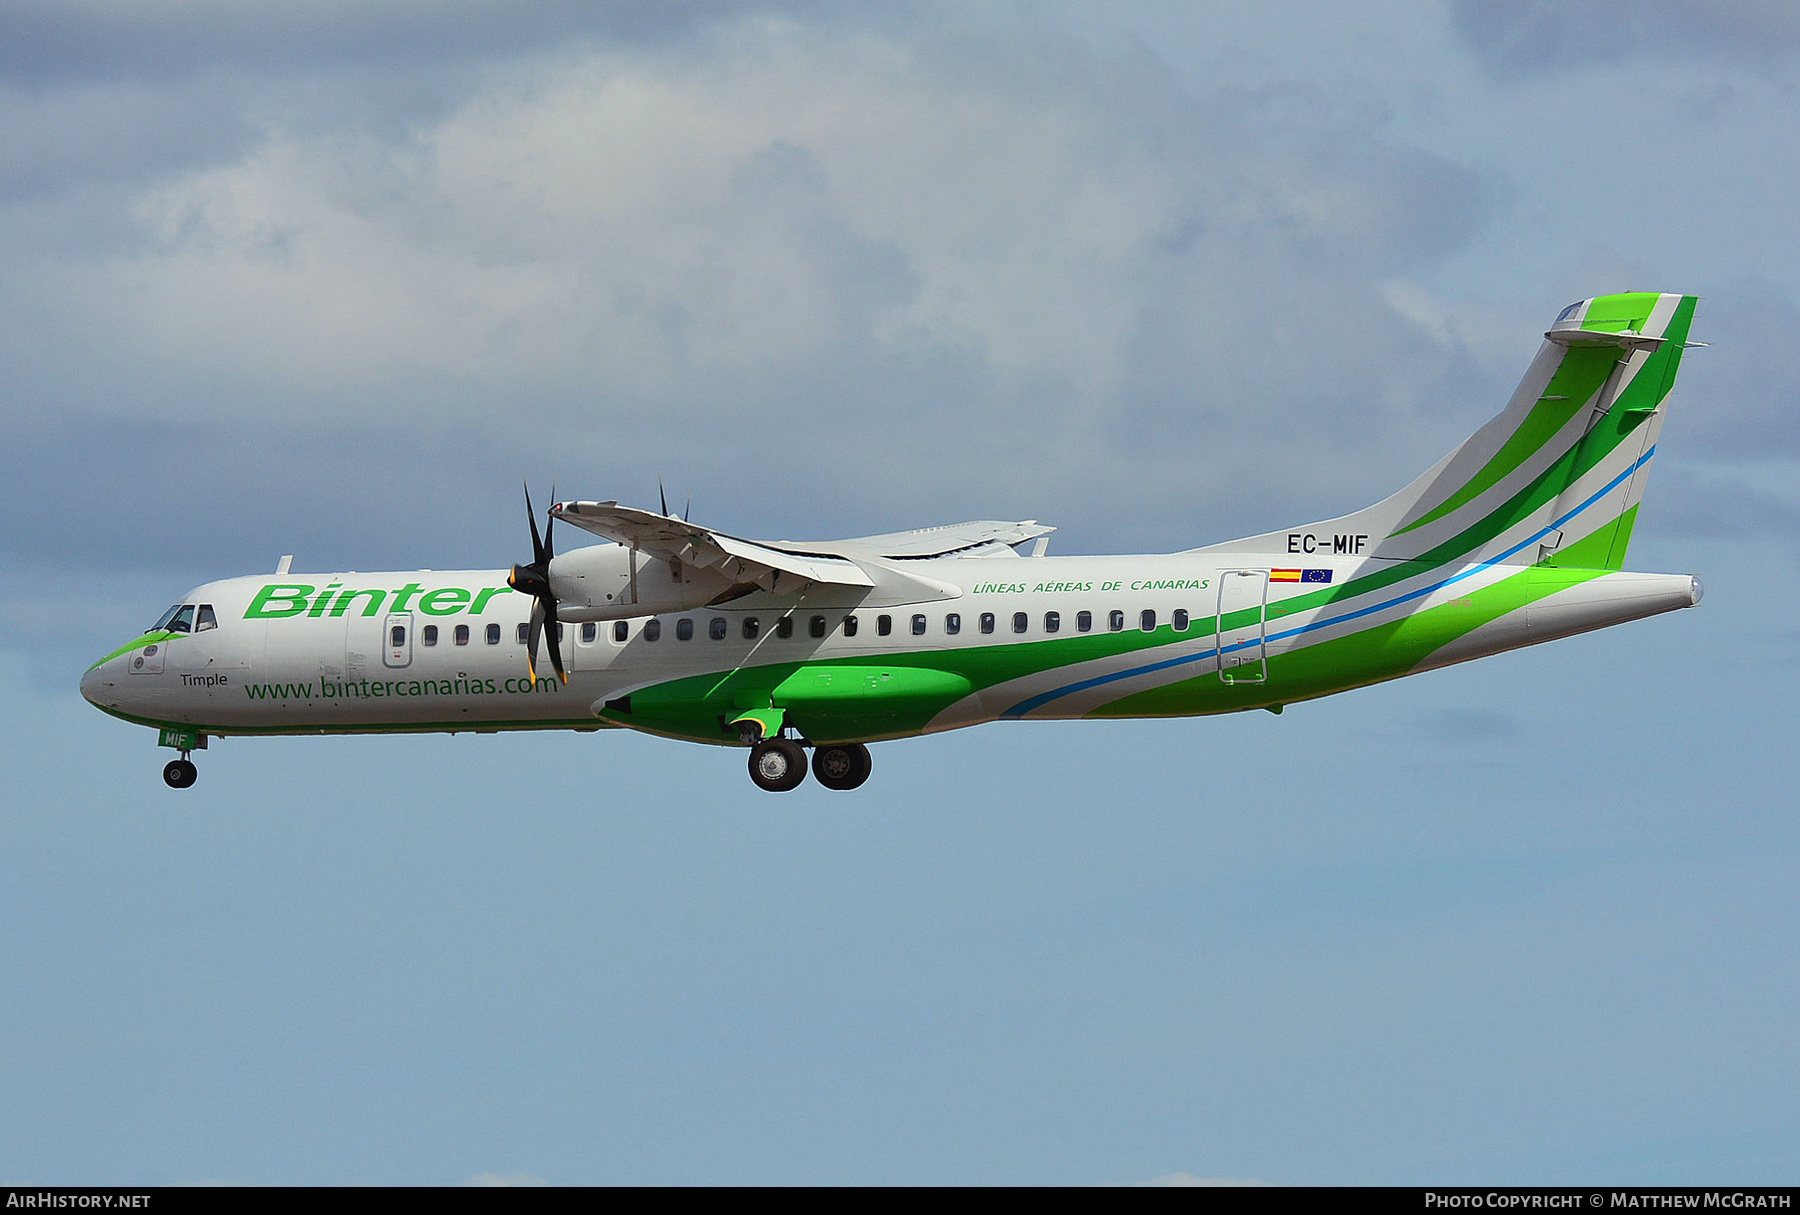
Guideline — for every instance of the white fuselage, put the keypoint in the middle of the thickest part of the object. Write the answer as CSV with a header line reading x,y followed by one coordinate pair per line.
x,y
444,650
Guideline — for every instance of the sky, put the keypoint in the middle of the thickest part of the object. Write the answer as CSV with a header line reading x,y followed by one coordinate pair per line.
x,y
330,278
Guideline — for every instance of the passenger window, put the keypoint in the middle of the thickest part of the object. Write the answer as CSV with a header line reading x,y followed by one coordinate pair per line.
x,y
1052,622
1181,620
849,626
1147,621
462,634
428,634
717,628
918,626
652,629
953,624
397,636
1021,622
684,629
1084,622
525,634
784,627
493,634
987,622
816,626
884,625
559,631
1115,620
184,620
752,626
590,630
206,619
621,630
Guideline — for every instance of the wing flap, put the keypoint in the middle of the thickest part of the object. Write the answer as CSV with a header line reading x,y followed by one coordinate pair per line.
x,y
676,539
947,541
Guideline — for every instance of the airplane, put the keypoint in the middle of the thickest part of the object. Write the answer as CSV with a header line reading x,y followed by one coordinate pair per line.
x,y
1518,536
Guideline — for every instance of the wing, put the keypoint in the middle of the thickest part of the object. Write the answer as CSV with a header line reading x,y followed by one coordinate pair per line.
x,y
955,540
741,560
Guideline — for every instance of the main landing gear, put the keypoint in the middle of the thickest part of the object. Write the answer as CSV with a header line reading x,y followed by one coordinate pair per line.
x,y
778,764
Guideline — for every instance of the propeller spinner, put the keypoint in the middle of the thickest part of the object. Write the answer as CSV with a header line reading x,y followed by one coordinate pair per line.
x,y
534,580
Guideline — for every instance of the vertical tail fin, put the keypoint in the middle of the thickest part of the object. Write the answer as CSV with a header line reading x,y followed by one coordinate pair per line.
x,y
1558,475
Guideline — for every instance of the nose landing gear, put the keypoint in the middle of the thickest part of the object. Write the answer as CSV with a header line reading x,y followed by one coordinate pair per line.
x,y
181,773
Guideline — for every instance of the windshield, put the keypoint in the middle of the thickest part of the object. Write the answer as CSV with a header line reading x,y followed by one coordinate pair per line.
x,y
162,621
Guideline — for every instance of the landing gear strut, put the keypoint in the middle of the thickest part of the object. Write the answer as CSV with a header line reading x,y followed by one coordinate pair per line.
x,y
180,773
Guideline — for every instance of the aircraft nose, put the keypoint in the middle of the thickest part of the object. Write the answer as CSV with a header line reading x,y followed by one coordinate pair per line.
x,y
97,686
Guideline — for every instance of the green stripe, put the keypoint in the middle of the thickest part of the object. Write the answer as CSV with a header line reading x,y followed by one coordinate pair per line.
x,y
1578,377
1374,655
388,727
146,639
1627,310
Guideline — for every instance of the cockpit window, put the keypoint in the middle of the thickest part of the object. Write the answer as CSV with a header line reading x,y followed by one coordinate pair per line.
x,y
206,619
184,620
162,621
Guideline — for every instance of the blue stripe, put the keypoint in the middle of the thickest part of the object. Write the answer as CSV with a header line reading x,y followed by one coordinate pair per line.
x,y
1044,698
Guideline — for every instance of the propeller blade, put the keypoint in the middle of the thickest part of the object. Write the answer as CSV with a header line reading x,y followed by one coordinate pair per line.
x,y
531,644
661,494
550,543
534,580
537,541
553,635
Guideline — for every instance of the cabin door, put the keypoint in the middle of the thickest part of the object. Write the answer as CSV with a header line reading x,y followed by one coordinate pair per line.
x,y
1243,614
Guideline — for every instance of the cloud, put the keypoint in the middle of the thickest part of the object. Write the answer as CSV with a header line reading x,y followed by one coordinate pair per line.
x,y
46,42
1522,39
1740,398
1188,1179
914,271
495,1180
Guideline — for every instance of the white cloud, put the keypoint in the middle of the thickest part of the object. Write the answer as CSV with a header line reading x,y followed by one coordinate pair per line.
x,y
497,1180
1188,1179
1052,275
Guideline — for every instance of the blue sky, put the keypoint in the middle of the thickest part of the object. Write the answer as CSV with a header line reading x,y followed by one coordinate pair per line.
x,y
329,278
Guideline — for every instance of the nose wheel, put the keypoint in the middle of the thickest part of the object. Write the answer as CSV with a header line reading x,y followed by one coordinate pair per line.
x,y
180,773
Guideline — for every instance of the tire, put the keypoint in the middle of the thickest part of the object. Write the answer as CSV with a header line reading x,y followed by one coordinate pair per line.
x,y
777,765
841,766
180,774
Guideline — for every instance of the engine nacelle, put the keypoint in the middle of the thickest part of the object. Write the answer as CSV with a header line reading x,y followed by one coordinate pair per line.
x,y
612,582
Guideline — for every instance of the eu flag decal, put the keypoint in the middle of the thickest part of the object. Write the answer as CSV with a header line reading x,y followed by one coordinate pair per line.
x,y
1315,575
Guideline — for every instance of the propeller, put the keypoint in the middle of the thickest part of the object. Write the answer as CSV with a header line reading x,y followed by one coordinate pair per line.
x,y
534,580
